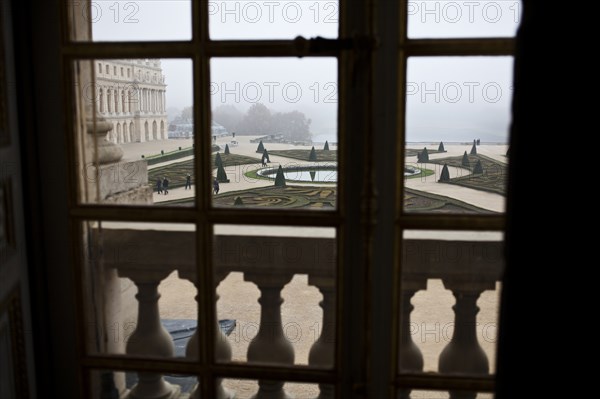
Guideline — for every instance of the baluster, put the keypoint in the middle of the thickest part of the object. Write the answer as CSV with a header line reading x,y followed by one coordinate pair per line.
x,y
322,352
222,350
150,339
270,346
463,354
410,356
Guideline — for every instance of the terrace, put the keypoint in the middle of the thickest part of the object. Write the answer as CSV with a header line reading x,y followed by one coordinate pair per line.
x,y
279,285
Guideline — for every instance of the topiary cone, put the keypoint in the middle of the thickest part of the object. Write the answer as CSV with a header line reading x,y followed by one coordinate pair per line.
x,y
465,161
445,175
260,147
218,161
226,152
313,155
221,175
441,147
280,178
423,156
474,148
478,169
326,147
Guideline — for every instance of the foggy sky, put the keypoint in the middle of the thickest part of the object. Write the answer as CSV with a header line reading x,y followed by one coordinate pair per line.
x,y
452,99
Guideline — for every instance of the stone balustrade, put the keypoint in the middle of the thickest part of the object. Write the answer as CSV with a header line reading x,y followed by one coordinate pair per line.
x,y
466,268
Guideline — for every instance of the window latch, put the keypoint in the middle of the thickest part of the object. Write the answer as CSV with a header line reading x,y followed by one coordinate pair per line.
x,y
321,45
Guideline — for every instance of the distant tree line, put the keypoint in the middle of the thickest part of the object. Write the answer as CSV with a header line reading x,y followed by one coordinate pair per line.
x,y
260,120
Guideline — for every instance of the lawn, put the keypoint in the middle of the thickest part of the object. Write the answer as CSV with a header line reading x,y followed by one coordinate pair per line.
x,y
493,179
324,198
176,172
303,155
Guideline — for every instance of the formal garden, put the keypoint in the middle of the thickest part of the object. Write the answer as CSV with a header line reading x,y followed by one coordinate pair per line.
x,y
485,173
307,178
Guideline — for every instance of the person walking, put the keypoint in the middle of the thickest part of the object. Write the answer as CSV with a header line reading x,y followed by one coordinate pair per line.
x,y
215,186
165,185
188,182
158,186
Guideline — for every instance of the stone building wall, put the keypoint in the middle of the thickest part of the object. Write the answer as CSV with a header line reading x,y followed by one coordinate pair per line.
x,y
131,95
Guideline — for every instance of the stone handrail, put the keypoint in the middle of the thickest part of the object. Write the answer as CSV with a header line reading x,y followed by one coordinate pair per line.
x,y
467,268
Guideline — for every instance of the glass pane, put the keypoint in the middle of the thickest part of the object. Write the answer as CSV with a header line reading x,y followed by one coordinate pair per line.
x,y
449,302
246,389
139,288
457,122
275,132
131,384
138,149
246,20
277,288
446,19
419,394
125,20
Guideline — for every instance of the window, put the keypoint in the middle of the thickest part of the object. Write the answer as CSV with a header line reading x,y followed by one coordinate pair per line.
x,y
451,87
99,68
270,235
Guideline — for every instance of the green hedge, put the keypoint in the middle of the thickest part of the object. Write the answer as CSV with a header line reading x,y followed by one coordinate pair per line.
x,y
169,156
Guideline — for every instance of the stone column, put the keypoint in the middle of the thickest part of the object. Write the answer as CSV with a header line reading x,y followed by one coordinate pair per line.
x,y
410,357
108,100
270,346
222,346
108,152
138,97
101,106
463,354
150,339
322,352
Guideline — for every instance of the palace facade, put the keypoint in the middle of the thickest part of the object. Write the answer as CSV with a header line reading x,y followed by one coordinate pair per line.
x,y
131,95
